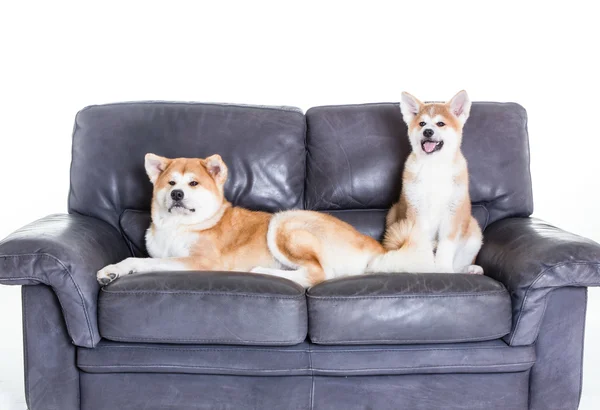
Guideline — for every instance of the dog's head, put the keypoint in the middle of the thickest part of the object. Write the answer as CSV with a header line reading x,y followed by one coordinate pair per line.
x,y
190,189
435,129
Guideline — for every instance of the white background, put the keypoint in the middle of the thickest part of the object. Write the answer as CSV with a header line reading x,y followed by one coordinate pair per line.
x,y
56,58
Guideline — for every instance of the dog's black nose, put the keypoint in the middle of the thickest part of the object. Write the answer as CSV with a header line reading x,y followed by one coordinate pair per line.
x,y
177,194
428,133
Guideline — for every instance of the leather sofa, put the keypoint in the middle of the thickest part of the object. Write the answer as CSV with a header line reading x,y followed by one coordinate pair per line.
x,y
510,339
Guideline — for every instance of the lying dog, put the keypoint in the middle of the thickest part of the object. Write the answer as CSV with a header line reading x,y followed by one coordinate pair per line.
x,y
434,211
194,227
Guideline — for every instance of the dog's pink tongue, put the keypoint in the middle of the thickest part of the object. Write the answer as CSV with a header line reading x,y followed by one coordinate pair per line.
x,y
429,146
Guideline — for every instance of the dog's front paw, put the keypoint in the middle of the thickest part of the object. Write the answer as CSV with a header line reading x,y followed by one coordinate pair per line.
x,y
474,270
106,275
110,273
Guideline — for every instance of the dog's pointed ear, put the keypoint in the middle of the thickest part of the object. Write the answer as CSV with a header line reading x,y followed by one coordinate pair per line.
x,y
155,165
216,168
460,105
410,107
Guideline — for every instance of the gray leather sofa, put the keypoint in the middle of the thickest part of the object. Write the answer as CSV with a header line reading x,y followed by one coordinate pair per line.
x,y
512,339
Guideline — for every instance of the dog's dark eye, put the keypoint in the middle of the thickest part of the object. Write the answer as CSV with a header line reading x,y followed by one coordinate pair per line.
x,y
171,183
193,183
422,124
440,124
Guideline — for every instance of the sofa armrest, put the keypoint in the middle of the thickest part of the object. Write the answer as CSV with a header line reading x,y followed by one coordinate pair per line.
x,y
532,258
64,252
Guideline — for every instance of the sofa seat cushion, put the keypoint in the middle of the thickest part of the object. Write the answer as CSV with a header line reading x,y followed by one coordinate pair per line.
x,y
493,356
203,307
408,309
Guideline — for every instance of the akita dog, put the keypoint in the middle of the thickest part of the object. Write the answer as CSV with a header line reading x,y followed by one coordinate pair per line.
x,y
194,227
434,211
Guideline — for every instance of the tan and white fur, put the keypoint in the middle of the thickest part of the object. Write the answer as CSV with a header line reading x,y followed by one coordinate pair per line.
x,y
194,227
434,210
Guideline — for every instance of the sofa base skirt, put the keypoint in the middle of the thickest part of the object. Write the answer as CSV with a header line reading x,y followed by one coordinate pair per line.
x,y
423,392
109,391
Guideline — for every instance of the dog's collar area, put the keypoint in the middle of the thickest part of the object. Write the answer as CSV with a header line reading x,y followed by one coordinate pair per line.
x,y
429,146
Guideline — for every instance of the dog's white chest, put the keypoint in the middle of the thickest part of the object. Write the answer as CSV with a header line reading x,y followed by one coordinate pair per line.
x,y
432,194
170,242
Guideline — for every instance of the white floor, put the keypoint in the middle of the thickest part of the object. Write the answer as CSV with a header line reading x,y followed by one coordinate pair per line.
x,y
11,352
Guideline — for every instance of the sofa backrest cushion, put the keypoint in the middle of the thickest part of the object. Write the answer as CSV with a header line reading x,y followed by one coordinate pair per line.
x,y
263,147
356,154
346,159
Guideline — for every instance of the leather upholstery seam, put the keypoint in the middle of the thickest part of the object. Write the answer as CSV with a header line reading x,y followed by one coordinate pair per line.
x,y
178,366
525,120
306,153
307,368
312,378
450,295
281,109
432,367
25,348
582,345
183,349
457,366
322,350
251,342
400,340
409,350
209,293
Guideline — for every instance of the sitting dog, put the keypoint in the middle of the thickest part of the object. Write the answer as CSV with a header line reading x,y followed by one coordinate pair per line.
x,y
194,227
434,211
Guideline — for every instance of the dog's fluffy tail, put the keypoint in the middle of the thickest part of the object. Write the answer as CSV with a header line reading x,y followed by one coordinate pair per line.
x,y
397,234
